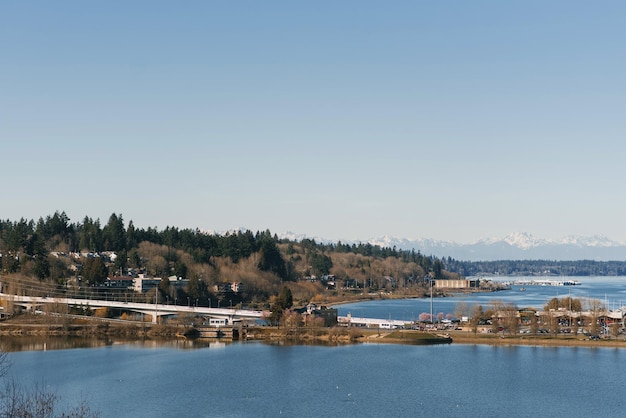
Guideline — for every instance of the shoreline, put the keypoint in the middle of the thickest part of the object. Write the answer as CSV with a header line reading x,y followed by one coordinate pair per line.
x,y
36,327
326,336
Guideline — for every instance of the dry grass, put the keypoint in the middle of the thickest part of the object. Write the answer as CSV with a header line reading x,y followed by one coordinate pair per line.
x,y
463,337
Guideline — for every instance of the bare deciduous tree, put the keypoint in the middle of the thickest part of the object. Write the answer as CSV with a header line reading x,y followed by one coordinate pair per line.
x,y
595,308
19,401
506,316
476,316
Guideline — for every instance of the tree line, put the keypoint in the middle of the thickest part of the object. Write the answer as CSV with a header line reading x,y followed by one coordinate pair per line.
x,y
537,267
260,260
56,232
28,240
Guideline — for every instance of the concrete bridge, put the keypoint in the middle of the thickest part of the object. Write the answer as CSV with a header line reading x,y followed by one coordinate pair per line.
x,y
155,310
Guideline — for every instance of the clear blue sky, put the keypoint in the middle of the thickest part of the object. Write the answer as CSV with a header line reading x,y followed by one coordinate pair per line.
x,y
343,120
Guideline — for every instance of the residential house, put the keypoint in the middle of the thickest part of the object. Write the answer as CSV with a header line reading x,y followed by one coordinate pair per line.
x,y
143,284
120,282
313,311
234,287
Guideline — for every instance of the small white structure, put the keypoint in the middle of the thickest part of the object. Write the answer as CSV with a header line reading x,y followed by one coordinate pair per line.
x,y
218,322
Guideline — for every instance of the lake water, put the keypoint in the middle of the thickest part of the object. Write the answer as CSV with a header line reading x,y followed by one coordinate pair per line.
x,y
258,380
184,379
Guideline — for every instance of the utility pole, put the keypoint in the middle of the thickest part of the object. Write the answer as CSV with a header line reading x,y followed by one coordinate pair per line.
x,y
432,320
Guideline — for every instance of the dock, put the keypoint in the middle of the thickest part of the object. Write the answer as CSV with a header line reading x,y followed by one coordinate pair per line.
x,y
227,333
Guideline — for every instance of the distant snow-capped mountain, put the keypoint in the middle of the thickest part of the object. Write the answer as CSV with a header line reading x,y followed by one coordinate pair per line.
x,y
523,240
515,246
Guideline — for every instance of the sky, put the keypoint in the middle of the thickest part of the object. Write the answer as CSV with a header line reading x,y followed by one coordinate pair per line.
x,y
344,120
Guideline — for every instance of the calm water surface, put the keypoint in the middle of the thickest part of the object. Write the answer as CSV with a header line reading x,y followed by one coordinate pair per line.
x,y
254,379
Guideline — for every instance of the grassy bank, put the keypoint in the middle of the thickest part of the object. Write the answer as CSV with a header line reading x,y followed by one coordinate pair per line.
x,y
464,337
407,337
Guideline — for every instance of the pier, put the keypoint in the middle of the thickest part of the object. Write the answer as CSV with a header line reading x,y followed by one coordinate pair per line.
x,y
546,282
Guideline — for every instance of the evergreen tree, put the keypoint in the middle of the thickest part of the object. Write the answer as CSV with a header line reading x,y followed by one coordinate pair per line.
x,y
285,298
94,271
321,264
164,287
90,235
180,269
114,234
271,259
131,236
194,288
283,301
121,261
133,258
41,267
438,269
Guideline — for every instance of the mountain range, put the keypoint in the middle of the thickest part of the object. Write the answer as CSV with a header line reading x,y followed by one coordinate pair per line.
x,y
516,246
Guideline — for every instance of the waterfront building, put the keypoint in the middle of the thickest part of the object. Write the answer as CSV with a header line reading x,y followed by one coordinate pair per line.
x,y
456,284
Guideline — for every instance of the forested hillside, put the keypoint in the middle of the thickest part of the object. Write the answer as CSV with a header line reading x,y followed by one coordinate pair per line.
x,y
60,253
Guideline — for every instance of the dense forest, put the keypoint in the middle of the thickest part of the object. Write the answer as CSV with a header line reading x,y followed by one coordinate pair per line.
x,y
61,253
537,268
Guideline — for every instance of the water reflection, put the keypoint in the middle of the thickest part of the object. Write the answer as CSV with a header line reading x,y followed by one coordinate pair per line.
x,y
40,343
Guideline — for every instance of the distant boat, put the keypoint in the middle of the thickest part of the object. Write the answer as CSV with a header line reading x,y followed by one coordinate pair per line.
x,y
522,289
